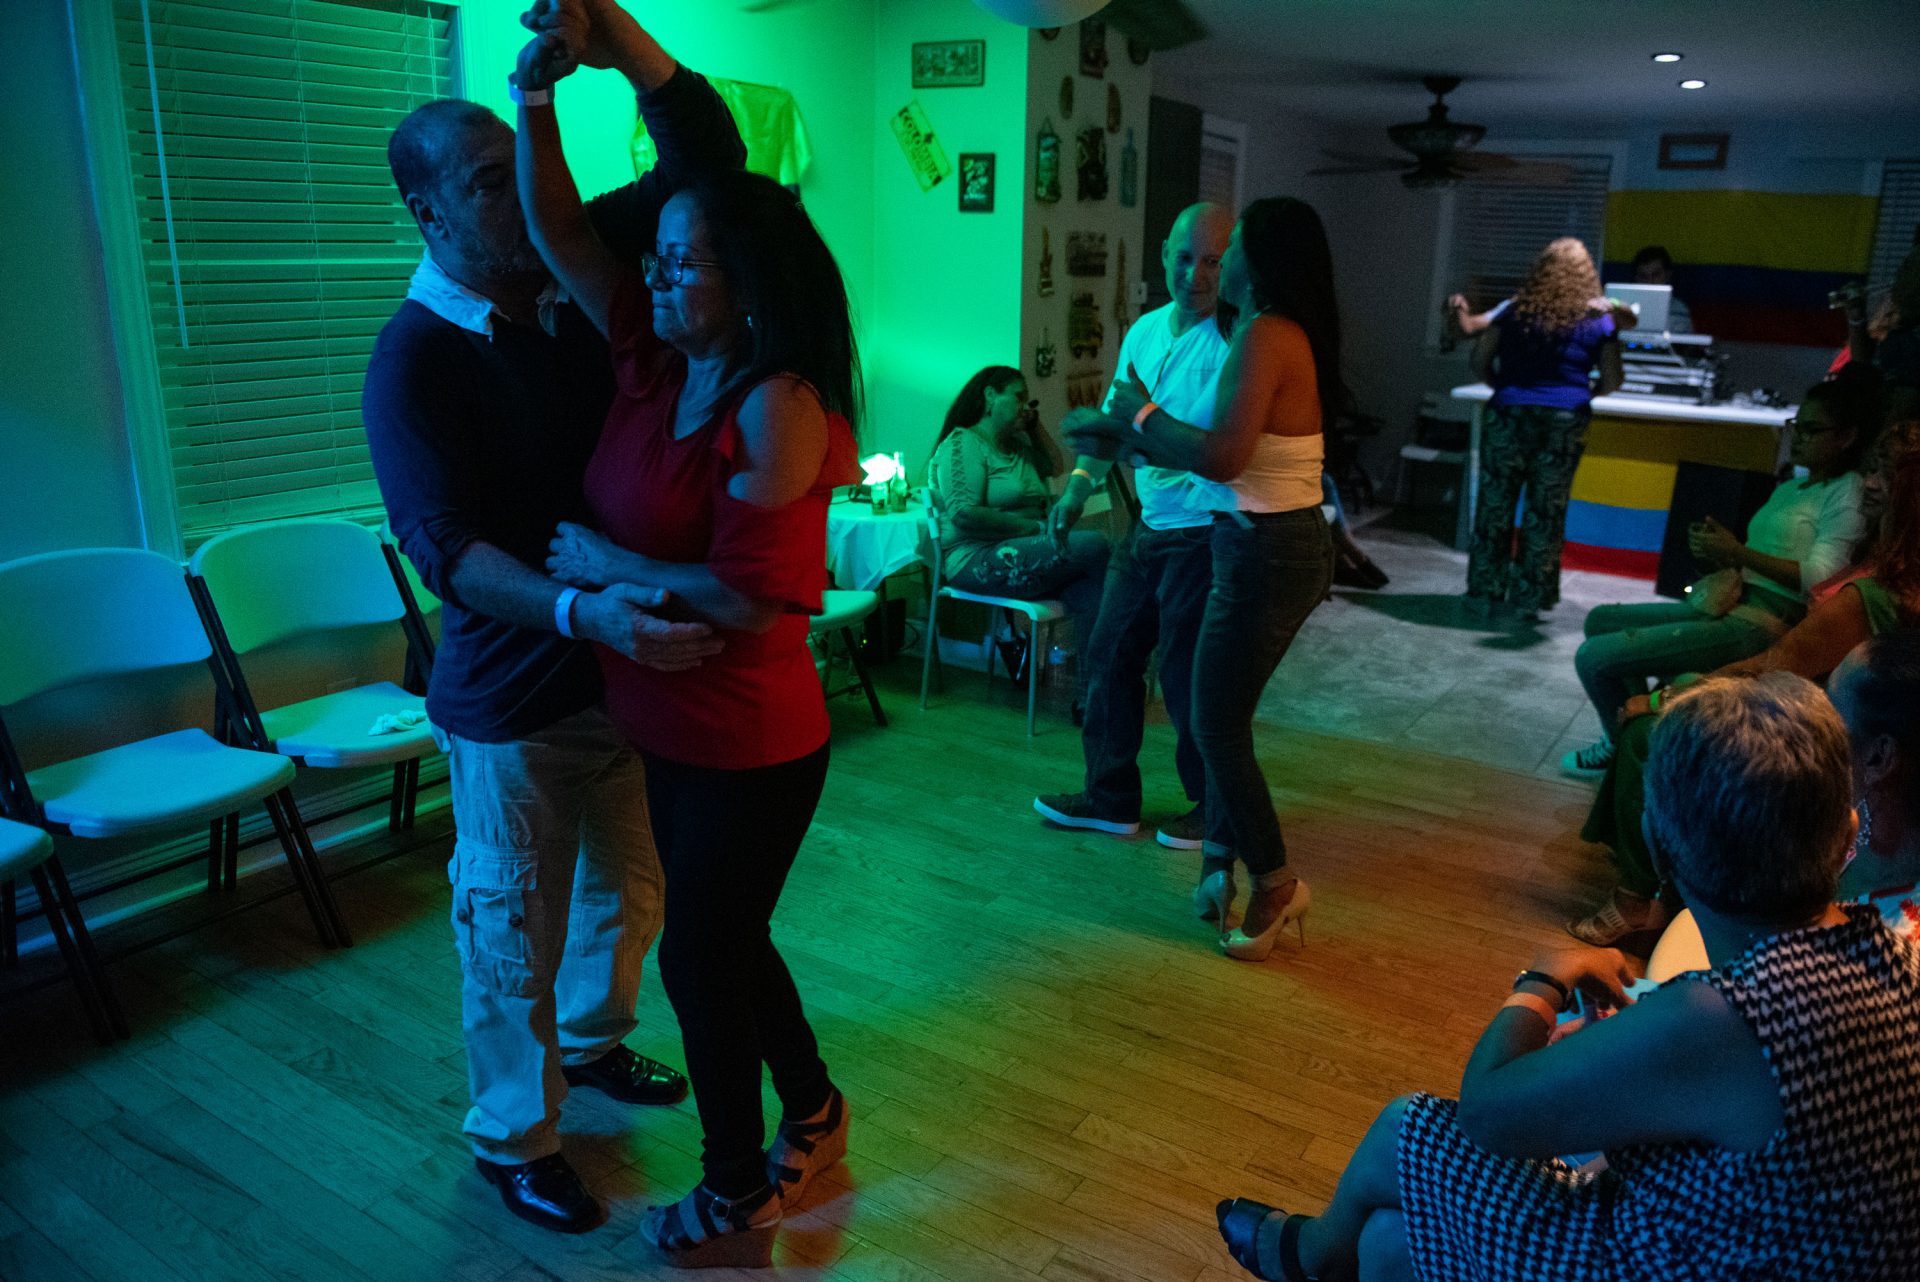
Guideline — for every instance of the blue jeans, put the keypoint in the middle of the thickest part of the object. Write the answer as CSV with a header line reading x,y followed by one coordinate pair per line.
x,y
1268,576
1156,594
1628,645
1032,569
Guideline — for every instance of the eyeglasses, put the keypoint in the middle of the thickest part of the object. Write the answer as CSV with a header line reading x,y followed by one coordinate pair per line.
x,y
1808,426
671,267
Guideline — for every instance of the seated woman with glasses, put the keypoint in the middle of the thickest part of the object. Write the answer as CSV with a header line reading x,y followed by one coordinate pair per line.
x,y
1805,532
988,478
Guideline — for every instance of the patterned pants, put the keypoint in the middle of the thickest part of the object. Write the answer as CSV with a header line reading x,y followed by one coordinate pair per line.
x,y
1536,449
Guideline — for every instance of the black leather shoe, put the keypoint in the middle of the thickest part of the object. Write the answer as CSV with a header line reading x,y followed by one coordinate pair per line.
x,y
547,1192
629,1078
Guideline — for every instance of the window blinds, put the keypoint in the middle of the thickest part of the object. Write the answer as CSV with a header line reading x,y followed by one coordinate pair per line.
x,y
1894,235
274,244
1501,224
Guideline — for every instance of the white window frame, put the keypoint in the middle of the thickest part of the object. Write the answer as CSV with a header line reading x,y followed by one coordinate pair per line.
x,y
104,126
1234,132
1441,285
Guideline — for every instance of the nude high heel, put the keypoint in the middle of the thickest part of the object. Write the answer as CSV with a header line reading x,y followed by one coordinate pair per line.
x,y
1243,947
1213,899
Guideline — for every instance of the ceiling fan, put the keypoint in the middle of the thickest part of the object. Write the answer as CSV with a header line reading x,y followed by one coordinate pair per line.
x,y
1442,150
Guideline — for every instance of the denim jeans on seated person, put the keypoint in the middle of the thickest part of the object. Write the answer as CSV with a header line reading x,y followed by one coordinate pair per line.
x,y
1155,596
1032,569
556,899
1630,645
1268,575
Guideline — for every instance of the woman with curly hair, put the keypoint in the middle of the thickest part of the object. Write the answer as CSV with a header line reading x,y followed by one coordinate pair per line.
x,y
1539,356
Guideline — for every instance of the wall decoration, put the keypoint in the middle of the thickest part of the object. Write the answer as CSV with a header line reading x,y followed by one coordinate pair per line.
x,y
1093,48
1046,263
1138,51
1046,357
1113,108
949,64
1122,288
1066,98
1085,333
1093,163
976,182
925,156
1693,151
1046,165
1086,253
1129,174
1086,387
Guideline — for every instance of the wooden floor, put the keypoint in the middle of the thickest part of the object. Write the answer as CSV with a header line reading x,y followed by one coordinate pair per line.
x,y
1053,1071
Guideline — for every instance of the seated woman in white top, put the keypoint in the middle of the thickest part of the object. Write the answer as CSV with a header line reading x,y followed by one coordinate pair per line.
x,y
1806,532
989,476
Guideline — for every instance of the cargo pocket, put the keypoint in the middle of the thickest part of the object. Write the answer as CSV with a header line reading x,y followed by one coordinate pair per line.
x,y
496,924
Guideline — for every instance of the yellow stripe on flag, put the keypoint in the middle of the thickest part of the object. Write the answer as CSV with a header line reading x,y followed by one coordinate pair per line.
x,y
1790,231
1624,482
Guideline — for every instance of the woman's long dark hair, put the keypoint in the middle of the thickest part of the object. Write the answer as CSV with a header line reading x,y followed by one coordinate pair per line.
x,y
1290,268
787,286
970,406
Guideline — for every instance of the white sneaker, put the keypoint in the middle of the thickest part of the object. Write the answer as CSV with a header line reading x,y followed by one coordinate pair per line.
x,y
1591,761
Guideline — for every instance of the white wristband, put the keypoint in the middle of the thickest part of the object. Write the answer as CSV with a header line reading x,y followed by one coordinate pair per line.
x,y
530,97
563,611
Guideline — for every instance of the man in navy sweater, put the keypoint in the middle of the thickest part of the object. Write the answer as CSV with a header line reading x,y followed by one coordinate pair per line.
x,y
484,397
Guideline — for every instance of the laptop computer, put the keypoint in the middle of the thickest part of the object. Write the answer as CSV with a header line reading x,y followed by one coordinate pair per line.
x,y
1650,303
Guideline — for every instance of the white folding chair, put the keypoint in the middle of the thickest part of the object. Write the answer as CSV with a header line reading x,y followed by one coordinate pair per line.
x,y
840,611
264,585
1041,616
72,618
27,850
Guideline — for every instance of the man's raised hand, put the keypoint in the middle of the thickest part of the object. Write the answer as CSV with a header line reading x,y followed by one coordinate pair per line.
x,y
621,619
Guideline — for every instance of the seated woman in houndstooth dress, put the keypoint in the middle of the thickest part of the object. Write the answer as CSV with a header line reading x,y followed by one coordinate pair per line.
x,y
1759,1118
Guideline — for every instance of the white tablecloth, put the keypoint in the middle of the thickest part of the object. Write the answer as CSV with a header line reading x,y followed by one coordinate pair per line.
x,y
863,549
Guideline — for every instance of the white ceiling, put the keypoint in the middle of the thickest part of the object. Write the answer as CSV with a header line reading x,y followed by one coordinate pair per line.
x,y
1525,61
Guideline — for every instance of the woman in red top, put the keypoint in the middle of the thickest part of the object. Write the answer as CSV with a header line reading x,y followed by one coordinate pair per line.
x,y
734,356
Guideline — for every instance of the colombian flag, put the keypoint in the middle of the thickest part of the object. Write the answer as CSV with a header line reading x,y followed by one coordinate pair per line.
x,y
1754,266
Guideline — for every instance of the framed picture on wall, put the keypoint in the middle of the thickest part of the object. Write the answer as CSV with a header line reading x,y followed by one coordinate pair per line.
x,y
976,182
949,64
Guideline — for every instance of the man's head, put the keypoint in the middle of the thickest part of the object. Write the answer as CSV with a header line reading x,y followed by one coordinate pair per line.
x,y
453,163
1653,266
1192,255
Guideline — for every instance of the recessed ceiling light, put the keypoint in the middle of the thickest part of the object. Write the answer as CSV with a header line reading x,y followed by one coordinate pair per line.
x,y
1668,57
1693,84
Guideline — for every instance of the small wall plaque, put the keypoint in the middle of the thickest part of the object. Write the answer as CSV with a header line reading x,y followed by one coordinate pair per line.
x,y
949,64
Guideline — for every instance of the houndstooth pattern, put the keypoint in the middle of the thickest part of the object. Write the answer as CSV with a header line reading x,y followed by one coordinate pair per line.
x,y
1835,1196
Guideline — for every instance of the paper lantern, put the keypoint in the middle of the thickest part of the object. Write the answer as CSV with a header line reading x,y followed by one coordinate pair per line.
x,y
1043,13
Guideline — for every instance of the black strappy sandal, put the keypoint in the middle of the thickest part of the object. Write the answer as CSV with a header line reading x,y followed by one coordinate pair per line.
x,y
1244,1224
704,1230
801,1150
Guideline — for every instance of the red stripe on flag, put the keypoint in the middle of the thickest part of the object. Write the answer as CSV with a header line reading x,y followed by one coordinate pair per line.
x,y
1621,561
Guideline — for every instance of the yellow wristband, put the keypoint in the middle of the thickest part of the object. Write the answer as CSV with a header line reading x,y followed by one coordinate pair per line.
x,y
1535,1003
1146,412
1081,471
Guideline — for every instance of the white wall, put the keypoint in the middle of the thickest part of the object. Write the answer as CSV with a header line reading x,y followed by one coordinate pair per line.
x,y
946,284
68,475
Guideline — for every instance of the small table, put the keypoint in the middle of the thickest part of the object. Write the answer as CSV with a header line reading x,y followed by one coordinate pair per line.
x,y
864,548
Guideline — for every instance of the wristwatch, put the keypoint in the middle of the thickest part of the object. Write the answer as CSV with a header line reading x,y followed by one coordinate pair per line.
x,y
1546,980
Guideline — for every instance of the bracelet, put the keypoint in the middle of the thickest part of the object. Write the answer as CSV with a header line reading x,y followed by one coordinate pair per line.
x,y
1140,419
1081,471
1533,1002
530,97
1541,977
563,612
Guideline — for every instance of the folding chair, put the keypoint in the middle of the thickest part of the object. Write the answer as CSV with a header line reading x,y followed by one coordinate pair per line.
x,y
264,585
71,618
1041,616
26,849
839,612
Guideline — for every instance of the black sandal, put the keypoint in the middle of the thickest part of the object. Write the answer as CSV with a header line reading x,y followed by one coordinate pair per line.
x,y
802,1150
1244,1225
